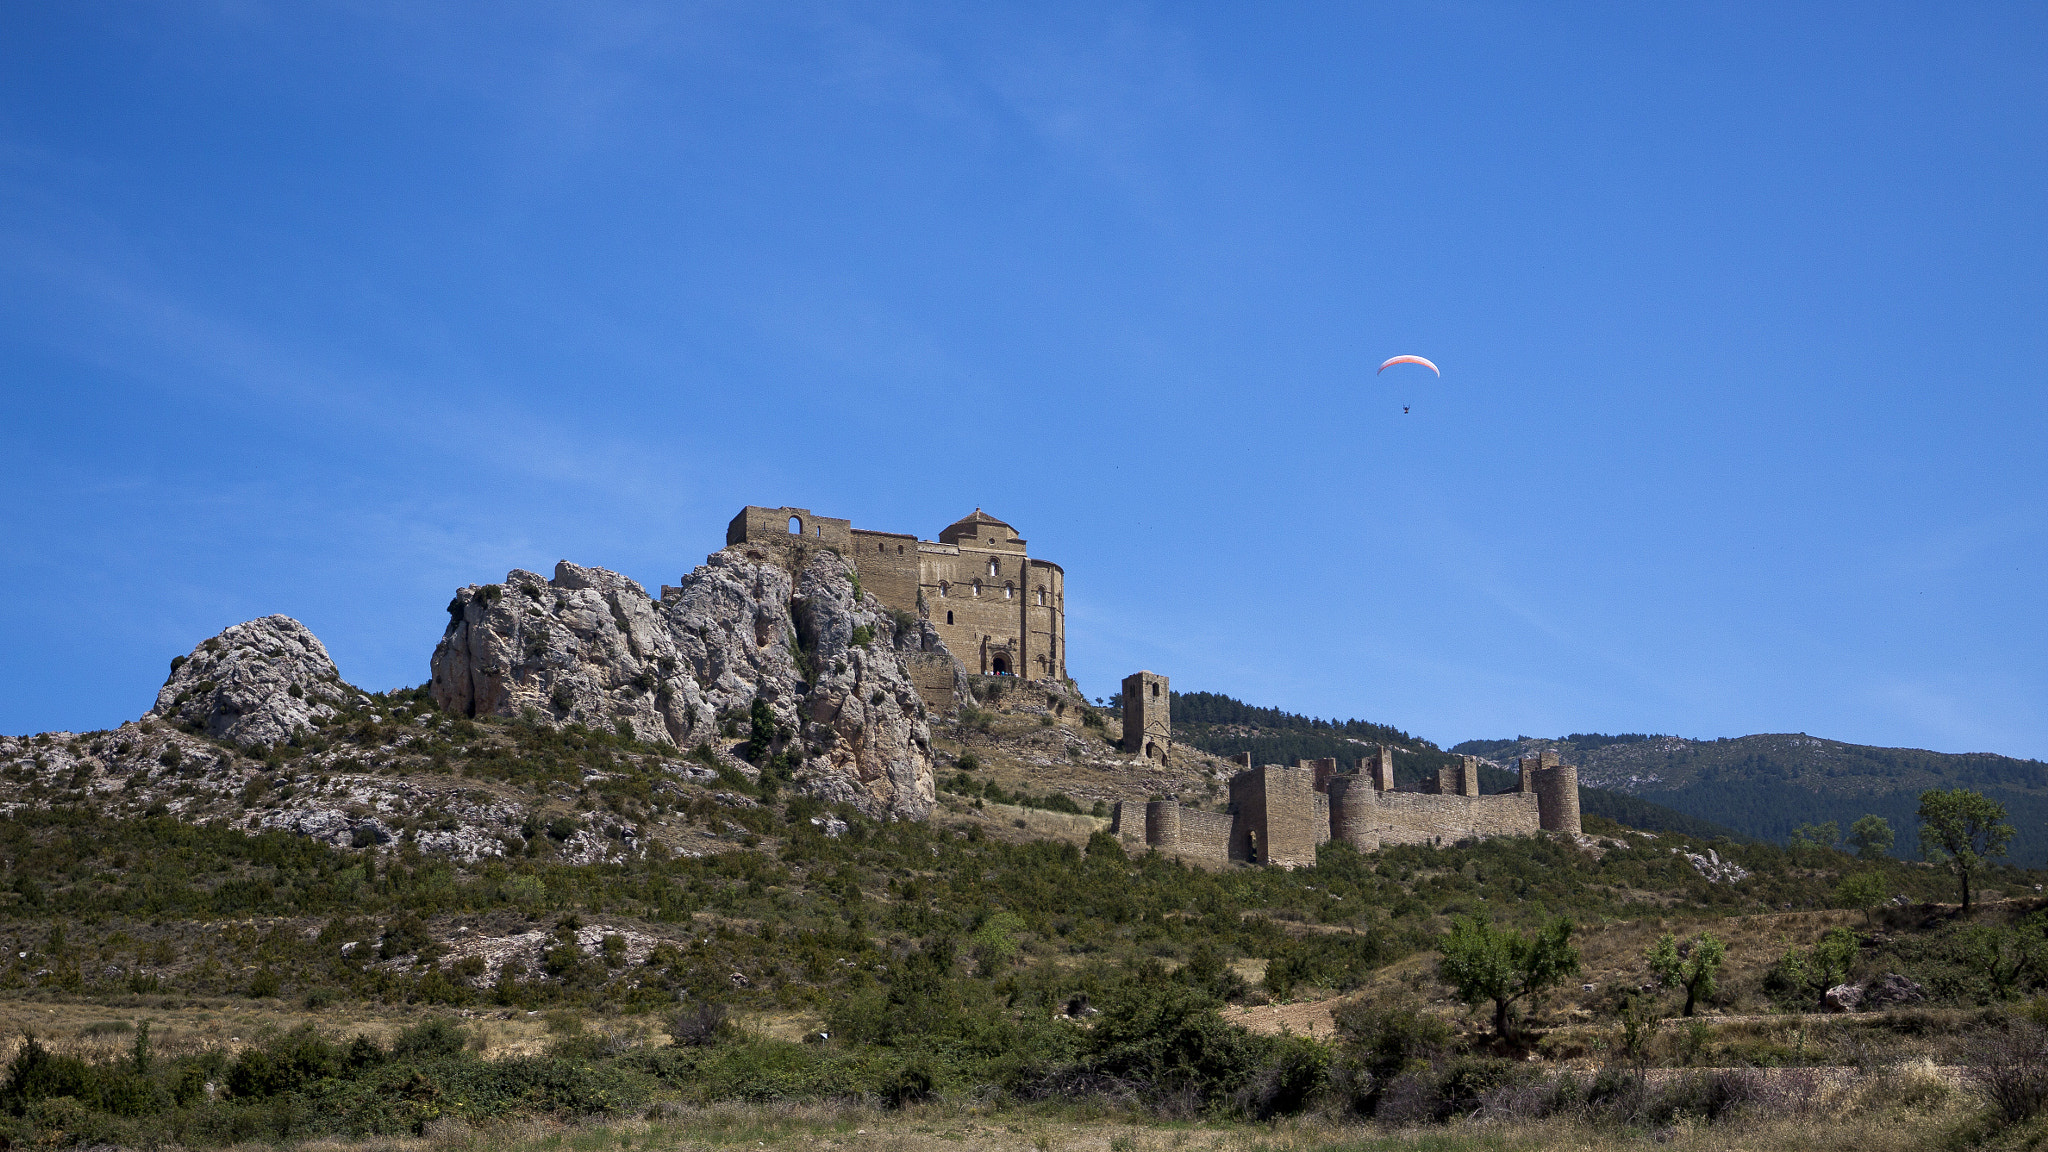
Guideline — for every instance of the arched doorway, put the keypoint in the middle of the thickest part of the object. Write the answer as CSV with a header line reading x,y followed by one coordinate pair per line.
x,y
796,526
1001,665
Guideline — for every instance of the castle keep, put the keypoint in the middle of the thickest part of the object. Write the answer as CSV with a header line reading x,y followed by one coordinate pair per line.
x,y
1279,815
1001,611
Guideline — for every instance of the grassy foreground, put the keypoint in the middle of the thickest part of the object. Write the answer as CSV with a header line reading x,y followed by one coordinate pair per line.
x,y
1880,1114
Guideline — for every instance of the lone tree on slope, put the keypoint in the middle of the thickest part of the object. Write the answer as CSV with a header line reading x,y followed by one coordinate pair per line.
x,y
1694,971
1962,829
1500,966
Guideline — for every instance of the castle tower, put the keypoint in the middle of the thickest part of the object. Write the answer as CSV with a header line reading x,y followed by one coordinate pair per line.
x,y
1162,823
1468,777
1378,766
1324,769
1530,765
1557,798
1148,717
1353,805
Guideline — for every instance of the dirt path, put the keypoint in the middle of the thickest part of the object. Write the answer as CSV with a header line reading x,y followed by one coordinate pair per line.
x,y
1303,1018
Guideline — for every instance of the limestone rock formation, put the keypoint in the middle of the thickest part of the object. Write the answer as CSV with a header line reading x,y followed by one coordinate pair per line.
x,y
587,645
255,683
591,646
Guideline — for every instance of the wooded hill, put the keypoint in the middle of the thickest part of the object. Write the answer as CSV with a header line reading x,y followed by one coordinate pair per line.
x,y
1767,785
1225,726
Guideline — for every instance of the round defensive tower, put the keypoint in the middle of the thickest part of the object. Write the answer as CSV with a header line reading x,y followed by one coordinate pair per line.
x,y
1353,808
1162,823
1557,798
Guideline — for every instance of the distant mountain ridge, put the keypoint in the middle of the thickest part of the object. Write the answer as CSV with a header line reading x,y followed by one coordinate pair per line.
x,y
1766,785
1225,726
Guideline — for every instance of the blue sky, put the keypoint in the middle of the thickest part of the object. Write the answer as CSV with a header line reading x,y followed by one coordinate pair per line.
x,y
327,309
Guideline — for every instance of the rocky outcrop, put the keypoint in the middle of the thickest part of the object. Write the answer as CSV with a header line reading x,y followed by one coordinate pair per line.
x,y
591,646
587,646
257,683
1715,869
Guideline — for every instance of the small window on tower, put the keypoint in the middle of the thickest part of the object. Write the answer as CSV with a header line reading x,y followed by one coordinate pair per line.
x,y
1008,591
1041,597
942,587
949,617
995,568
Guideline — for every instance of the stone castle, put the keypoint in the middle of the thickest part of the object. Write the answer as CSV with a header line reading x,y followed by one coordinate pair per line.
x,y
1279,815
1001,611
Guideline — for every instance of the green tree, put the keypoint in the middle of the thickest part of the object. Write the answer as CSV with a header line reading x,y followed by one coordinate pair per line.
x,y
1962,829
1863,892
1693,971
1815,836
1871,837
1501,966
1828,963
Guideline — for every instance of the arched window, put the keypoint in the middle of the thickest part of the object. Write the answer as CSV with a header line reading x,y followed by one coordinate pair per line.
x,y
1008,591
949,617
1041,596
899,549
1155,691
796,526
977,587
942,591
995,568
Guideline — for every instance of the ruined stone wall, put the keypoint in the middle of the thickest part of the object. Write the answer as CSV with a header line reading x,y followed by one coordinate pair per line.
x,y
772,526
1458,779
932,674
1423,818
1205,836
1283,814
888,567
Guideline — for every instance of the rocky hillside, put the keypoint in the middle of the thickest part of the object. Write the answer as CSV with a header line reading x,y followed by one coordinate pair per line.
x,y
1767,785
576,718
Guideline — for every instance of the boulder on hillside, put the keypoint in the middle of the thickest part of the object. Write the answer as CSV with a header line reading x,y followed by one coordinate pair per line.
x,y
1842,998
1891,990
256,683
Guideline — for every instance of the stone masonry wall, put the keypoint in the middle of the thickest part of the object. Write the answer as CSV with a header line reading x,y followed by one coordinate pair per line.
x,y
1422,818
888,567
1204,835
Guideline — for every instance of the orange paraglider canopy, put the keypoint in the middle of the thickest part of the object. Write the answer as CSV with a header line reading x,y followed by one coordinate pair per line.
x,y
1408,360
